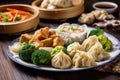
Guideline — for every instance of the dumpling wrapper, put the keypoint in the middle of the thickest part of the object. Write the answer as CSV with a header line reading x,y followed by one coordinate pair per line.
x,y
61,60
98,53
72,48
61,3
82,59
89,42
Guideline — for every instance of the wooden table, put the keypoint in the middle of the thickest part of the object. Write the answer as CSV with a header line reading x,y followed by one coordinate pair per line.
x,y
12,71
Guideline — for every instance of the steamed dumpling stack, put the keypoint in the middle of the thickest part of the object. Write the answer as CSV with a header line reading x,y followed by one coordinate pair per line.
x,y
92,46
82,59
61,61
80,56
52,4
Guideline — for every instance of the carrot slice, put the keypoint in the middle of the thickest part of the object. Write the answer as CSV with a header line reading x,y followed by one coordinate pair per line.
x,y
0,18
15,16
19,11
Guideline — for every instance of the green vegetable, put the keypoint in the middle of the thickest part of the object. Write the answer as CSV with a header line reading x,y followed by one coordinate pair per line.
x,y
0,13
18,18
106,43
96,32
41,57
68,43
58,49
74,28
103,39
26,52
62,30
5,19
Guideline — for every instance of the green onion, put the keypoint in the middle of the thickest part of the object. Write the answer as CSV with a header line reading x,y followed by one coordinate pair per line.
x,y
18,18
74,28
62,30
5,19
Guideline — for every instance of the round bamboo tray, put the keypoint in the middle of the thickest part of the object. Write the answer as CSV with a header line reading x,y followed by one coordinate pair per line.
x,y
19,26
60,13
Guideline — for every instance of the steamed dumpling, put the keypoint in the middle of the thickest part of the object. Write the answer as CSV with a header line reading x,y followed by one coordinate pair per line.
x,y
73,47
61,3
82,59
89,42
72,53
98,53
61,60
79,37
44,3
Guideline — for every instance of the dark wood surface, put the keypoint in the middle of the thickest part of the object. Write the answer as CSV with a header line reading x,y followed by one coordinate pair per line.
x,y
10,70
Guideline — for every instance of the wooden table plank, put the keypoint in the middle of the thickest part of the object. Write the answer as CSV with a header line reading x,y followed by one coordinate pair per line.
x,y
12,71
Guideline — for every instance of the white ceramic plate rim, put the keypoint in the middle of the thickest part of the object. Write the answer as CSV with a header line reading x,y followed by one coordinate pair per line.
x,y
113,55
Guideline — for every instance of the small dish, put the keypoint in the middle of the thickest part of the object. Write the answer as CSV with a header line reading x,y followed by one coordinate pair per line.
x,y
110,7
59,13
18,27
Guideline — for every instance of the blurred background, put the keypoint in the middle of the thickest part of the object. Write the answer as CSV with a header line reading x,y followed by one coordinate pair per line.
x,y
88,3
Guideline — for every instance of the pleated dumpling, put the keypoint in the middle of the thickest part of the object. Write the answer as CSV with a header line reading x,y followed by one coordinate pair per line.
x,y
61,60
82,59
89,42
73,47
98,53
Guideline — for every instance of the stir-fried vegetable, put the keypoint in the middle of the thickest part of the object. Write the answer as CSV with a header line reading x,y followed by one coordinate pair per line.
x,y
11,15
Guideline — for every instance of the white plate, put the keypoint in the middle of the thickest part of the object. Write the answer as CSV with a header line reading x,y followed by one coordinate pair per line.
x,y
113,55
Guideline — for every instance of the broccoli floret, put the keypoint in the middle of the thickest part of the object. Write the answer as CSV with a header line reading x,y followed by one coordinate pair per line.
x,y
96,32
108,45
26,52
68,43
58,49
103,39
41,57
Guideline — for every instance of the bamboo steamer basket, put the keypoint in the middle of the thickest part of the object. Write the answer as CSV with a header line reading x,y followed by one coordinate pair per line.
x,y
59,13
20,26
